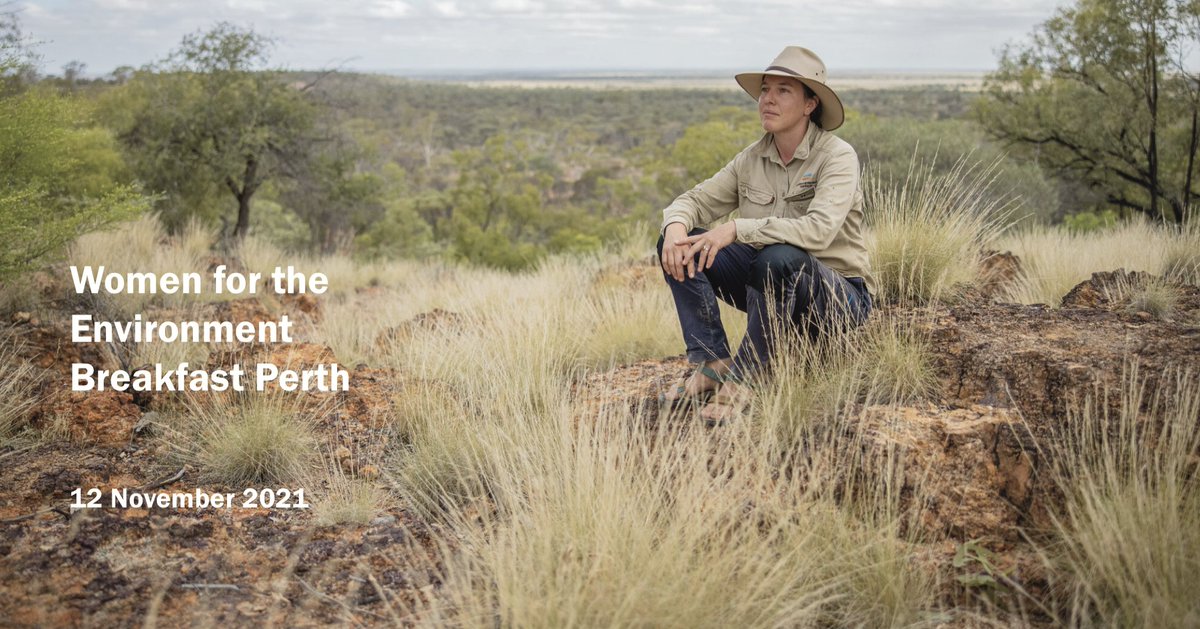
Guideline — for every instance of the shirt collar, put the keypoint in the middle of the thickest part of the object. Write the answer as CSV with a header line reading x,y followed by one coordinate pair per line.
x,y
767,144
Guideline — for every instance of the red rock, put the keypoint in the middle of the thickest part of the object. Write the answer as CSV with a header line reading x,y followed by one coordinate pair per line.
x,y
103,418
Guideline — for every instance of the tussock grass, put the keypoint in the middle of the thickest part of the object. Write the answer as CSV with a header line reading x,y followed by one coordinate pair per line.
x,y
142,245
1154,296
446,465
888,360
17,385
626,324
605,523
245,438
346,500
1127,549
1181,256
926,232
1053,261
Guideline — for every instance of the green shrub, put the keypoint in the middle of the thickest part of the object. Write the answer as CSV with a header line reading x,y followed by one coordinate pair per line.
x,y
58,179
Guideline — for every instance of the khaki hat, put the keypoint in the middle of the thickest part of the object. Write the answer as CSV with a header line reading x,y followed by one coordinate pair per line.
x,y
805,66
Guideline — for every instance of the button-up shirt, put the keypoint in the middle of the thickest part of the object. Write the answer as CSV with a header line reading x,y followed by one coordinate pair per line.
x,y
814,201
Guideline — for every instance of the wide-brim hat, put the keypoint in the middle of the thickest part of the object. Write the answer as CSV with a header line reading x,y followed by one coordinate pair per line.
x,y
805,66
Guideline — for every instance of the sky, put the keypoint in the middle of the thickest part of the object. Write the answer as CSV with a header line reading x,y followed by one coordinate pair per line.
x,y
480,36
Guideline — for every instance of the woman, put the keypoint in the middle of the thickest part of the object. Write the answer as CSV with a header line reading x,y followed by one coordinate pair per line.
x,y
796,252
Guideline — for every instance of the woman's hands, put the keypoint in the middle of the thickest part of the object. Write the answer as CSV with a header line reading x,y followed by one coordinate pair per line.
x,y
679,250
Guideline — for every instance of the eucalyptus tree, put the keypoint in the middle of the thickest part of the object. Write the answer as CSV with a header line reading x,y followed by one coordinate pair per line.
x,y
1105,95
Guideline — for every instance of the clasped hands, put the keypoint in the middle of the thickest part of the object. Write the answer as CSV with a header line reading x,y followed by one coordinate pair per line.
x,y
679,250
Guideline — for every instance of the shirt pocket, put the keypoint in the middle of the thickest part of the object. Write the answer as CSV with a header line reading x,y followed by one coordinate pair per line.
x,y
752,197
797,204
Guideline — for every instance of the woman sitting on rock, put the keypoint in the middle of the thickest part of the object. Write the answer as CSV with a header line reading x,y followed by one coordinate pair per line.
x,y
794,256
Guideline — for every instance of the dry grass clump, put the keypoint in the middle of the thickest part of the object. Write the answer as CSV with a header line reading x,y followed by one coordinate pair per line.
x,y
346,500
1181,256
17,385
446,466
1143,293
605,523
421,401
900,360
926,231
1127,549
627,324
886,361
1156,298
1053,261
245,438
142,245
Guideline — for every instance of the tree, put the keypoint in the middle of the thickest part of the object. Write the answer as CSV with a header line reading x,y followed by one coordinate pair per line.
x,y
495,216
59,176
334,194
72,73
212,121
1101,96
18,61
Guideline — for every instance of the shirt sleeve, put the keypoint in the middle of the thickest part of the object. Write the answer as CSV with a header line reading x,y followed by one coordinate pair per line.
x,y
710,200
837,185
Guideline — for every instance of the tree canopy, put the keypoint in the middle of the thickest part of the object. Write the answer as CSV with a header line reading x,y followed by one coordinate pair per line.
x,y
212,121
1101,94
60,175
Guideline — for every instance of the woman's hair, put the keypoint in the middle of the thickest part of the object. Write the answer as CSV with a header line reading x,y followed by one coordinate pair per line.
x,y
816,114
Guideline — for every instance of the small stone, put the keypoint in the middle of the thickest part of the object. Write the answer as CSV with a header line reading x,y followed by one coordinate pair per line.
x,y
1143,315
147,420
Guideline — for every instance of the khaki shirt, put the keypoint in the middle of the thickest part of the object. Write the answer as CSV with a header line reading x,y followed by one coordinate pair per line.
x,y
814,202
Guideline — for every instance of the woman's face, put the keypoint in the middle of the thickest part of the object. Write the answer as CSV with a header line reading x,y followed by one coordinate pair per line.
x,y
782,106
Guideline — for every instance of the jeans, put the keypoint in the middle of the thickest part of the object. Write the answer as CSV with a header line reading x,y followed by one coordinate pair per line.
x,y
778,287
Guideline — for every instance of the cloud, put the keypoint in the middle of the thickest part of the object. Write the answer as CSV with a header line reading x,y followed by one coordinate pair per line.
x,y
517,6
589,34
447,9
389,9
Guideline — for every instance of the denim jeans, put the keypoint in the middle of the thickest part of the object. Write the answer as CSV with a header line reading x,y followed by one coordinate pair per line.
x,y
778,287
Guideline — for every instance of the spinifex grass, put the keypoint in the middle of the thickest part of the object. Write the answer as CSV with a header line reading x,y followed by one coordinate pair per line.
x,y
926,232
340,498
605,522
17,385
143,246
246,438
1054,260
1127,547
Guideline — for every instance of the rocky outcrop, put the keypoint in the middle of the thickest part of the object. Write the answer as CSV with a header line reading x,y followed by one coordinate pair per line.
x,y
971,469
